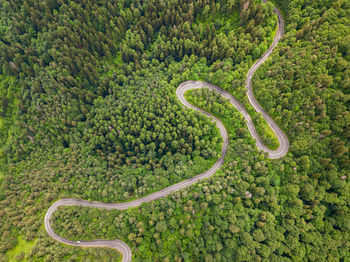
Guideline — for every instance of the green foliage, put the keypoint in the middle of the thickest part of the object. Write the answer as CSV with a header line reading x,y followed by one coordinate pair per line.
x,y
91,113
9,101
265,132
21,250
214,103
220,107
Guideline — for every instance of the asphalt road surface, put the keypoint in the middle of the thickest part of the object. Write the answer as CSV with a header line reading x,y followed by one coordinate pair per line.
x,y
273,154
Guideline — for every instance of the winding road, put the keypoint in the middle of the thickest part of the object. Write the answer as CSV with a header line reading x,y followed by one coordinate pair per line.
x,y
273,154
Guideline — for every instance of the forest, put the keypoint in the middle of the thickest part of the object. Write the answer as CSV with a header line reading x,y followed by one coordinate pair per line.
x,y
88,110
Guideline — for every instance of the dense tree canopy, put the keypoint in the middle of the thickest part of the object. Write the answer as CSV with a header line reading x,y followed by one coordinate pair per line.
x,y
88,110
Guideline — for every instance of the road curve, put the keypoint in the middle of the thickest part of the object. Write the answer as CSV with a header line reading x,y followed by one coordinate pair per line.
x,y
273,154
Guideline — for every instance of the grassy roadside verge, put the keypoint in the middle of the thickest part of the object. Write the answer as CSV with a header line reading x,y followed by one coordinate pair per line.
x,y
265,132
